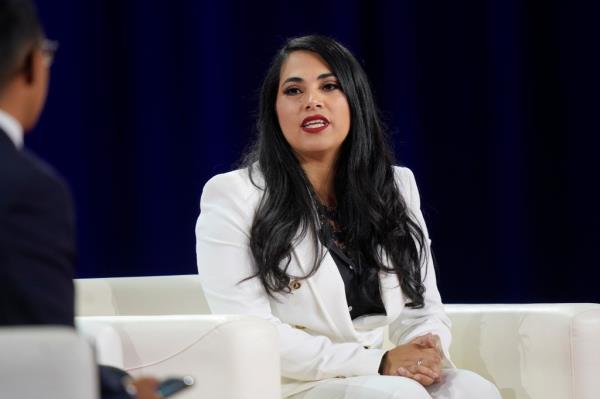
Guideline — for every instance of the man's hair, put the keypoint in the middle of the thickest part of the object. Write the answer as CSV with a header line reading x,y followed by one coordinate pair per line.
x,y
20,28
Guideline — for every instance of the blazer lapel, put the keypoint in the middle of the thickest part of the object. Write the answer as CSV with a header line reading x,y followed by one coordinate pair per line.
x,y
391,294
5,140
328,291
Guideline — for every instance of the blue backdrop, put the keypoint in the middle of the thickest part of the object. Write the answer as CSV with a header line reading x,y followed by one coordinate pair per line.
x,y
492,103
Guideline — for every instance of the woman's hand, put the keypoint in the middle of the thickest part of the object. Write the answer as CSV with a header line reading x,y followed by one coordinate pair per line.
x,y
429,340
420,359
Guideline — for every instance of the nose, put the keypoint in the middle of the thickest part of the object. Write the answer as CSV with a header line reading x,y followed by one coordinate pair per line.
x,y
313,101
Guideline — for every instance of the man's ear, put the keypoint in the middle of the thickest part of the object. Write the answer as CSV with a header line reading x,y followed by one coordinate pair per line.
x,y
28,69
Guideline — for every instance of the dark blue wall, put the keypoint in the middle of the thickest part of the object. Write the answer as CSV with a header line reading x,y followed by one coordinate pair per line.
x,y
492,103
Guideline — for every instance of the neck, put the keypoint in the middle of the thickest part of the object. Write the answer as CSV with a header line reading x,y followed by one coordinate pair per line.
x,y
320,171
15,101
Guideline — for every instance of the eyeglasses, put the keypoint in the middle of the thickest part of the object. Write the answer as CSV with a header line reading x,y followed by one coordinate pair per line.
x,y
48,48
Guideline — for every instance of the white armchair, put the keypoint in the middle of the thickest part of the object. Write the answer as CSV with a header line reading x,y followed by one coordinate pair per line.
x,y
46,362
538,351
228,356
158,326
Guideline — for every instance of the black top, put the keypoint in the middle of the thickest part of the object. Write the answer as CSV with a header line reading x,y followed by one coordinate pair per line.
x,y
362,293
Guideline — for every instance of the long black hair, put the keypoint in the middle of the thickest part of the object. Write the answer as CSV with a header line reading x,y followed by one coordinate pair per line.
x,y
374,215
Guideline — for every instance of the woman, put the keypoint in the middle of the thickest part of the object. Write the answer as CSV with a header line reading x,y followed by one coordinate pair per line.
x,y
324,237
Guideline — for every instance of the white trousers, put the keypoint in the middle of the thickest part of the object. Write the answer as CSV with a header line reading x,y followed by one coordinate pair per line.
x,y
455,384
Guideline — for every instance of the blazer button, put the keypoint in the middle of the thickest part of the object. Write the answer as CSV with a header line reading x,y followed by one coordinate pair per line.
x,y
294,284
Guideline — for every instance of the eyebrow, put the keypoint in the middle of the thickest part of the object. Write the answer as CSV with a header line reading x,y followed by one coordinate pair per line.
x,y
296,79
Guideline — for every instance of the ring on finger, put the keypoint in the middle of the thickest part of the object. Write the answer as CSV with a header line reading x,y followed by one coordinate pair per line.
x,y
419,362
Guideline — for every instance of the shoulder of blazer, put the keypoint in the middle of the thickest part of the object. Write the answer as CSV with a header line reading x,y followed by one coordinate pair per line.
x,y
234,190
405,180
236,183
23,174
237,190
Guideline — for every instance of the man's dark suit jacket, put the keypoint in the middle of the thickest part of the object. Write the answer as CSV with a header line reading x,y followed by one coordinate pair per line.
x,y
37,249
37,241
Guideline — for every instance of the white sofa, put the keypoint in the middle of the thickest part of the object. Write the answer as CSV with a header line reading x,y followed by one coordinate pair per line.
x,y
159,325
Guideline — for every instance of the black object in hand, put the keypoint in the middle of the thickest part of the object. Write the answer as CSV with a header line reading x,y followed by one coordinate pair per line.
x,y
171,386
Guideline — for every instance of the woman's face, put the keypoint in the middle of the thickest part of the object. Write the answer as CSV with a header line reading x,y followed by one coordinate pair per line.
x,y
313,112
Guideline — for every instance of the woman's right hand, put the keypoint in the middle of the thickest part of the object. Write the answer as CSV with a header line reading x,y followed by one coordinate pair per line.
x,y
420,359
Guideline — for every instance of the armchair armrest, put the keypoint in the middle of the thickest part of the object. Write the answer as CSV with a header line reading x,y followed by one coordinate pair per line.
x,y
228,356
46,362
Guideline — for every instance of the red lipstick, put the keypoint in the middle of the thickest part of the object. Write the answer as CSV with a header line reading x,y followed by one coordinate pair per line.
x,y
315,124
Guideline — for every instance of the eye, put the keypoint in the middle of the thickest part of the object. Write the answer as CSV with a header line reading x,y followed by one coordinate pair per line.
x,y
330,86
292,91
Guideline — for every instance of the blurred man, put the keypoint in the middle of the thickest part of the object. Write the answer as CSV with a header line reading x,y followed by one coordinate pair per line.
x,y
37,229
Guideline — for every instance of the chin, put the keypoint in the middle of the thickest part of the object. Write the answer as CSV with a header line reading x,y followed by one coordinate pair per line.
x,y
317,152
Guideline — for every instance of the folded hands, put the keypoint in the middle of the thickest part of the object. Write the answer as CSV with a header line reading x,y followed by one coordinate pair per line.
x,y
419,359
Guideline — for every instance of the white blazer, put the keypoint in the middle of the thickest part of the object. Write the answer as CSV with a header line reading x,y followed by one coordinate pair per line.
x,y
318,339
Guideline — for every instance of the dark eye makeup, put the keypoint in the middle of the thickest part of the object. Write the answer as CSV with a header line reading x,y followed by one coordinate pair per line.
x,y
327,86
291,91
330,86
